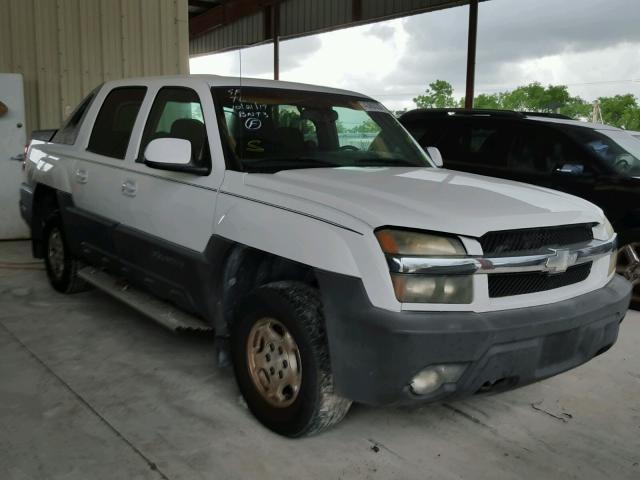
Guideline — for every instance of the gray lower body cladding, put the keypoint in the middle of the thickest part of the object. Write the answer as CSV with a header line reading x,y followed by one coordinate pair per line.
x,y
375,353
26,203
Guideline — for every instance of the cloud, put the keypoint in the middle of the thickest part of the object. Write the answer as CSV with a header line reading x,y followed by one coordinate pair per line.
x,y
255,61
383,31
514,32
294,52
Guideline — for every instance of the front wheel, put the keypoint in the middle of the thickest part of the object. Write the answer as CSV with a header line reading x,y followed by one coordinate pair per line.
x,y
629,267
281,360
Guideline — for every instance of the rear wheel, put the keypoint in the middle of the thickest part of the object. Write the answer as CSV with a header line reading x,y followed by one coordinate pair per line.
x,y
629,267
62,267
281,360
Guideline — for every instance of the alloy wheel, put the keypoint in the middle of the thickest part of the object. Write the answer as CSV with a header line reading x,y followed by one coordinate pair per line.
x,y
629,267
274,362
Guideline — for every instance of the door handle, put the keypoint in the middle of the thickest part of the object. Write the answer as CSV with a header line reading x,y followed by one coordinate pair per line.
x,y
129,188
82,176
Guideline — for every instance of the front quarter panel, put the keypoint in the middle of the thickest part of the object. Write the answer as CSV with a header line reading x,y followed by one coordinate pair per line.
x,y
281,230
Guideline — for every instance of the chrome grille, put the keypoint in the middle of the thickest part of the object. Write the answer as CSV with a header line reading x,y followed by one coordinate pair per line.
x,y
509,242
508,284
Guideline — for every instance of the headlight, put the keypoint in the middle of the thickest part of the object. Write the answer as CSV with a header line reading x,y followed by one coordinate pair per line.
x,y
416,288
603,231
401,242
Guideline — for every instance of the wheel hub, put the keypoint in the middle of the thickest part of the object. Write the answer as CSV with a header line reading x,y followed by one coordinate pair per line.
x,y
274,362
55,252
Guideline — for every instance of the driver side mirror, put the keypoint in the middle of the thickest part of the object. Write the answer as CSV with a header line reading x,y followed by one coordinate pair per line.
x,y
436,156
173,154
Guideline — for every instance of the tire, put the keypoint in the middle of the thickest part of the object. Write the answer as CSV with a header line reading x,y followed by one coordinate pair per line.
x,y
629,267
269,314
62,267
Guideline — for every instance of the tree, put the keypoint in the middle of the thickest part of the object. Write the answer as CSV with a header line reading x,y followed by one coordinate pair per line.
x,y
536,98
576,108
631,119
486,101
438,95
620,110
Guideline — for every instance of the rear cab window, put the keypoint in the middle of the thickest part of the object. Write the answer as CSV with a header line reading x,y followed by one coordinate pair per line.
x,y
68,134
113,126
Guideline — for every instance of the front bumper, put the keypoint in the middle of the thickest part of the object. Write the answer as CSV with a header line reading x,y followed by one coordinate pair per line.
x,y
375,353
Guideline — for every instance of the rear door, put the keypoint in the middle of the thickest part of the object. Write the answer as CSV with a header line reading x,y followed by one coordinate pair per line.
x,y
98,175
12,142
544,156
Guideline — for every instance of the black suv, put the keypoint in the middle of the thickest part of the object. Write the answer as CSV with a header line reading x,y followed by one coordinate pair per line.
x,y
597,162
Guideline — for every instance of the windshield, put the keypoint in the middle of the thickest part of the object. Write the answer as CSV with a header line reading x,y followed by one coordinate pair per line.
x,y
267,130
619,149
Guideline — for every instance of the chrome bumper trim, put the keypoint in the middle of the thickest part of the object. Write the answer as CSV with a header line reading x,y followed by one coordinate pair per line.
x,y
553,261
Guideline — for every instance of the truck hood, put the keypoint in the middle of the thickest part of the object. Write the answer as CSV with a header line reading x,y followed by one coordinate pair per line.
x,y
426,198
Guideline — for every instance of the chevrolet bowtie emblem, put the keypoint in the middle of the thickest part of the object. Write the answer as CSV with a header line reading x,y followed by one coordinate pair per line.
x,y
561,261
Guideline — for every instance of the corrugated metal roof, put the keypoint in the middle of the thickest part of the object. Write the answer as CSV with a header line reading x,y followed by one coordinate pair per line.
x,y
302,17
65,48
248,30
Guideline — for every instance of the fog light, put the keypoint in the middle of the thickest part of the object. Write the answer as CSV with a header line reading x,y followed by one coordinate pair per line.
x,y
414,288
432,378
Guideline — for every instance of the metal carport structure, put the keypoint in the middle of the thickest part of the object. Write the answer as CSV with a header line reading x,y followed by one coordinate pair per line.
x,y
221,25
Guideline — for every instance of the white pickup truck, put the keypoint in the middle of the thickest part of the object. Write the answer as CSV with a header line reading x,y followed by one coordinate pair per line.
x,y
323,246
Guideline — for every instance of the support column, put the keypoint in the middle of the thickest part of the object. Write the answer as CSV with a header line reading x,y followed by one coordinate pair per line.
x,y
471,54
276,40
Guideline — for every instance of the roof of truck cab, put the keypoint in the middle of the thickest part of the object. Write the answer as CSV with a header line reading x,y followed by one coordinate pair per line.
x,y
508,115
222,81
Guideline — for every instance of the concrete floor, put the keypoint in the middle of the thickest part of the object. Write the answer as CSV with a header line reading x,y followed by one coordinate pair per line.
x,y
89,389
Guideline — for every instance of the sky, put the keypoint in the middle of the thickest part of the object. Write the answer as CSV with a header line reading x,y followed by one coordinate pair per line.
x,y
593,46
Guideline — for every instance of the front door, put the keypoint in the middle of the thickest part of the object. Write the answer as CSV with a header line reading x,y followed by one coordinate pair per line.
x,y
12,141
170,215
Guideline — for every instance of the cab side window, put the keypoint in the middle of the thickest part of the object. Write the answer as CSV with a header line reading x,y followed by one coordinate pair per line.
x,y
177,113
476,144
489,143
114,123
541,150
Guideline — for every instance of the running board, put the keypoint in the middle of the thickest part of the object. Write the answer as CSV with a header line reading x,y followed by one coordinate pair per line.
x,y
162,312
